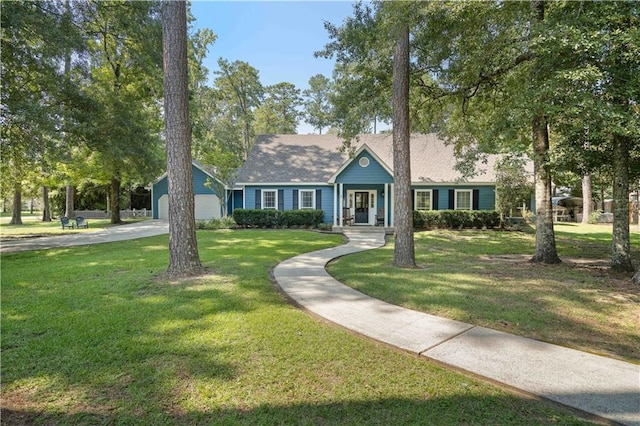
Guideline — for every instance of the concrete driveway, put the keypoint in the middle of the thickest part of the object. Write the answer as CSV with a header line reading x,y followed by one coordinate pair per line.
x,y
132,231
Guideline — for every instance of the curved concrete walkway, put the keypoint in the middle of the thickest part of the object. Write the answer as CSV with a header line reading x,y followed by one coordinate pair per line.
x,y
593,384
145,228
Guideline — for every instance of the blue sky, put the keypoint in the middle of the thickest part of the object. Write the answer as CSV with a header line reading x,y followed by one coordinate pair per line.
x,y
278,38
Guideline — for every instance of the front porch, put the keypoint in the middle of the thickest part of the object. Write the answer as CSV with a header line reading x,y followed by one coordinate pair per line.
x,y
363,205
363,191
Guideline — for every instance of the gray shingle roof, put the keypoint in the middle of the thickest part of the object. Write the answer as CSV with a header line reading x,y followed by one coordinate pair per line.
x,y
315,158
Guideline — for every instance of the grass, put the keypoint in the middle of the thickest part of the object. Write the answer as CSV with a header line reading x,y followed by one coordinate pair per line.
x,y
484,278
91,335
33,227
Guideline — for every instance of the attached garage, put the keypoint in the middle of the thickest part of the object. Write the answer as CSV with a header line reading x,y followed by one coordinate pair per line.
x,y
207,200
163,208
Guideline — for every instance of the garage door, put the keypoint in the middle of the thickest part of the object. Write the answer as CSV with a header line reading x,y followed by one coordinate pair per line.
x,y
207,207
163,207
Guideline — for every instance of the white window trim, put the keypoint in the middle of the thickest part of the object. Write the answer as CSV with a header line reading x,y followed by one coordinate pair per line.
x,y
313,199
455,199
275,198
415,198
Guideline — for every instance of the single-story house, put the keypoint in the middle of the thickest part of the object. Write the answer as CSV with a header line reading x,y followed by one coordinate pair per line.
x,y
311,172
290,172
205,188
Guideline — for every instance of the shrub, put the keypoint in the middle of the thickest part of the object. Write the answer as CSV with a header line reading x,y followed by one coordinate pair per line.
x,y
306,218
456,219
486,218
256,218
274,218
418,219
223,223
594,216
427,219
325,227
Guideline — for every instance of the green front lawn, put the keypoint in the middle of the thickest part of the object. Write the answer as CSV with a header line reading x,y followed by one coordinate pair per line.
x,y
484,278
90,335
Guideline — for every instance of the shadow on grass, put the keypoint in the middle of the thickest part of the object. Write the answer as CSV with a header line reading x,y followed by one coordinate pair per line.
x,y
95,320
484,278
469,409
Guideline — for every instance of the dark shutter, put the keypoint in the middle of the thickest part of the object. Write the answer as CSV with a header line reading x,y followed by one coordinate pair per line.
x,y
476,199
280,199
452,196
295,199
434,201
319,199
258,199
413,199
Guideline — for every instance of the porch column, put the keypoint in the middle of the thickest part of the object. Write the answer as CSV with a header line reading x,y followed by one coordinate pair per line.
x,y
386,205
335,204
340,194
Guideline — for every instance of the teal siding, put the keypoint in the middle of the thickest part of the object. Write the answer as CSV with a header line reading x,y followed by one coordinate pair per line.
x,y
486,196
486,199
199,181
237,200
160,188
356,174
326,202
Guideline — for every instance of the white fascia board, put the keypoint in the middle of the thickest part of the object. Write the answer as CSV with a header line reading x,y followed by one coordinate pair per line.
x,y
245,184
421,183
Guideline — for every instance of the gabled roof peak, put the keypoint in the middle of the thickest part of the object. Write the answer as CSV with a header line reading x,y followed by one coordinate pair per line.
x,y
363,148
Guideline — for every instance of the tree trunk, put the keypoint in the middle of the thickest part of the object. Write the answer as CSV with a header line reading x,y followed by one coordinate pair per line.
x,y
70,190
637,208
636,278
114,201
404,253
601,192
16,208
545,236
68,206
587,198
46,207
183,249
621,247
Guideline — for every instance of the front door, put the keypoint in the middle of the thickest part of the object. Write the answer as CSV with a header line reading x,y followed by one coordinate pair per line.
x,y
362,207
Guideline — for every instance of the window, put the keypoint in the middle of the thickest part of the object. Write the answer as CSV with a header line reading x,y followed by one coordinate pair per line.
x,y
364,162
423,200
269,199
307,199
463,199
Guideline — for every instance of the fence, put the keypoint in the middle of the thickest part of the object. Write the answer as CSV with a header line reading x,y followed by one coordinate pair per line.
x,y
103,214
